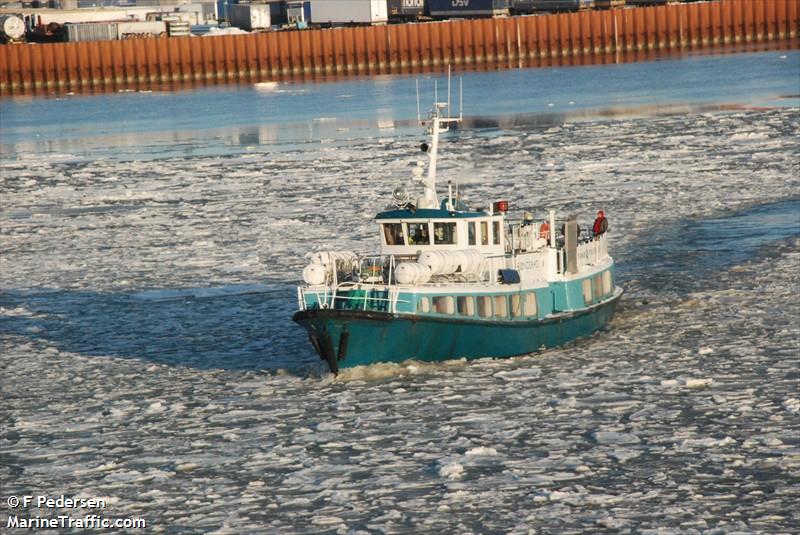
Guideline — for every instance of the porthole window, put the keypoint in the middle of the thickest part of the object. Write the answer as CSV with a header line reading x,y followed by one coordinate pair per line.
x,y
530,304
607,287
484,306
516,305
501,306
465,305
443,304
424,305
587,291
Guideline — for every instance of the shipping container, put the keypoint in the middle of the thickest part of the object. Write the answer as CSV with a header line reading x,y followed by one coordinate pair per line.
x,y
135,30
552,6
194,13
468,8
250,16
90,31
277,12
343,12
289,13
204,29
608,4
646,3
298,13
405,10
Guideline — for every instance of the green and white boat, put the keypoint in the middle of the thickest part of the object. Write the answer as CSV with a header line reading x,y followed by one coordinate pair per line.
x,y
450,282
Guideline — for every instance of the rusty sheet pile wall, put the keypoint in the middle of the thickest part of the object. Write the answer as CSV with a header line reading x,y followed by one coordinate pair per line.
x,y
107,65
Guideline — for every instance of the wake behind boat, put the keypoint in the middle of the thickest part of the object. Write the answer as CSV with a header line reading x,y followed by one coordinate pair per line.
x,y
452,282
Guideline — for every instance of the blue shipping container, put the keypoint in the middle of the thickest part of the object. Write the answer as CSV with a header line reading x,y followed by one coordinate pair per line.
x,y
405,9
529,6
468,8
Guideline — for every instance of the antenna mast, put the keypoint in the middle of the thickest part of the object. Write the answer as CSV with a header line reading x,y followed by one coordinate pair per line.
x,y
460,100
448,90
419,117
438,123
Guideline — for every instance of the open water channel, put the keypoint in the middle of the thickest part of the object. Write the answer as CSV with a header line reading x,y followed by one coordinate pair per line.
x,y
151,243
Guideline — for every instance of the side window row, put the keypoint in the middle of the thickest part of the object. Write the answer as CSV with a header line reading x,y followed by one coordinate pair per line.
x,y
443,233
419,233
472,232
597,287
486,306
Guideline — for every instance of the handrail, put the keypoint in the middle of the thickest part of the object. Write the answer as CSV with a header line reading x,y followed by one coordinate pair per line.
x,y
348,298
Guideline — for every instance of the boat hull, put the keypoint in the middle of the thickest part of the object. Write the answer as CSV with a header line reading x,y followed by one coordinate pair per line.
x,y
348,338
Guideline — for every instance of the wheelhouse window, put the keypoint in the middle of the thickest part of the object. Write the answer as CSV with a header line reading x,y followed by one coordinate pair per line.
x,y
393,233
471,233
418,234
496,232
444,233
484,233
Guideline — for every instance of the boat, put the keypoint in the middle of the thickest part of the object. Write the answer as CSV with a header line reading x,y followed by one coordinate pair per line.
x,y
451,281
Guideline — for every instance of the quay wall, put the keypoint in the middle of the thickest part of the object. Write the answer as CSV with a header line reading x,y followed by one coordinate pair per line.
x,y
505,42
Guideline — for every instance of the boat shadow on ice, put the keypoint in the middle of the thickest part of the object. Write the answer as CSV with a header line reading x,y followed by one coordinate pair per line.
x,y
242,327
687,256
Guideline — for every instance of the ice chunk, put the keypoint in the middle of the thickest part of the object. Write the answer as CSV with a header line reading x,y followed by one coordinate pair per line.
x,y
696,383
481,451
451,470
522,374
791,405
615,438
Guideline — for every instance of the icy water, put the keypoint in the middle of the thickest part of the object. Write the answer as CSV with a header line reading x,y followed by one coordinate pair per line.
x,y
148,272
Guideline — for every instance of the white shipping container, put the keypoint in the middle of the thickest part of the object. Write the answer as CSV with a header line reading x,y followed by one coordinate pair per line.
x,y
128,30
347,11
250,16
192,13
92,31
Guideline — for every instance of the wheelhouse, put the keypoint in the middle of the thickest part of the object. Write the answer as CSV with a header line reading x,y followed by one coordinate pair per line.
x,y
409,232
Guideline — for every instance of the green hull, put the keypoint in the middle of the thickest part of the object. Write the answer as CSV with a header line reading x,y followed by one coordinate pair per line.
x,y
348,338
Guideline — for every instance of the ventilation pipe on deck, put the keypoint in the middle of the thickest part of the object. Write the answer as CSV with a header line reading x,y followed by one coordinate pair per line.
x,y
571,243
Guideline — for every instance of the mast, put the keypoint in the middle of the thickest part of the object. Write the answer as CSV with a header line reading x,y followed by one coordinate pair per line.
x,y
440,122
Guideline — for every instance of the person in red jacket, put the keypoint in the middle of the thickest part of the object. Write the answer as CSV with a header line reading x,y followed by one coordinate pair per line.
x,y
544,231
600,224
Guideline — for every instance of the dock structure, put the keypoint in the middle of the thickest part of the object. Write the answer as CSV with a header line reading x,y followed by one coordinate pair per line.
x,y
508,42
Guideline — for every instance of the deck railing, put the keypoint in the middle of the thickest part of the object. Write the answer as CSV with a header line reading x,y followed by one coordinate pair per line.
x,y
592,252
374,274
